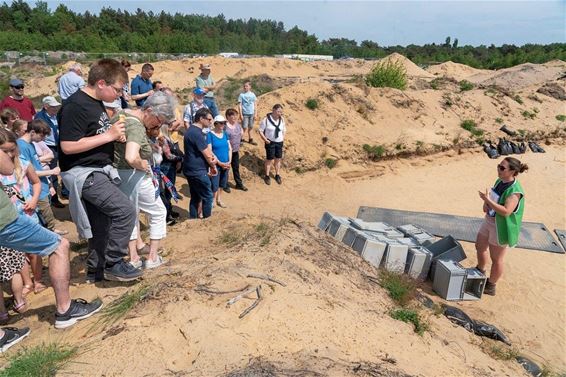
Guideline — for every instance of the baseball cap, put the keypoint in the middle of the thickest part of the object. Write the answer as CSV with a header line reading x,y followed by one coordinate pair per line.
x,y
219,119
16,82
50,101
204,66
199,91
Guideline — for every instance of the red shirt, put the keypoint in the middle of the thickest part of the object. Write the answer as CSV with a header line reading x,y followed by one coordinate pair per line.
x,y
24,107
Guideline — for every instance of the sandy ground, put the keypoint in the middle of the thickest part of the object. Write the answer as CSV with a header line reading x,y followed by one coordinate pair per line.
x,y
329,319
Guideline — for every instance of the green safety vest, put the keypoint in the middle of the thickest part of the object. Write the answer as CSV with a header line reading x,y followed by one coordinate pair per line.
x,y
509,227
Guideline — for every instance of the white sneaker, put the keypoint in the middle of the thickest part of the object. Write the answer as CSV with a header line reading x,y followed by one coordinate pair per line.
x,y
149,264
137,264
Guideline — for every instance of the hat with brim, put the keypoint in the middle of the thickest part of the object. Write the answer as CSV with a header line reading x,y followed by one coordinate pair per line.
x,y
219,119
16,82
199,92
204,67
50,101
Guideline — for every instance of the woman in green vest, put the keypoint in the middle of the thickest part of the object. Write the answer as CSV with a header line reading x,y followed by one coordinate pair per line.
x,y
503,206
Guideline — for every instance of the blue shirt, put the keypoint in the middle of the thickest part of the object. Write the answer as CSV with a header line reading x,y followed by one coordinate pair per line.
x,y
69,83
194,163
219,146
53,139
140,86
29,155
247,99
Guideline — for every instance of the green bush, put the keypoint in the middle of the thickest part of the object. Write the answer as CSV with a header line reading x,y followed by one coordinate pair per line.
x,y
498,120
388,75
470,126
528,115
465,85
374,152
43,360
561,117
518,99
401,288
311,104
410,316
330,163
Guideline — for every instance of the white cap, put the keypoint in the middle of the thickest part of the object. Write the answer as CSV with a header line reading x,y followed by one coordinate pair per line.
x,y
50,101
219,119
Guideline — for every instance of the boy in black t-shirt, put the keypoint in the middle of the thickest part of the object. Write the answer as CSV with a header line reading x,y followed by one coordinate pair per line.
x,y
87,152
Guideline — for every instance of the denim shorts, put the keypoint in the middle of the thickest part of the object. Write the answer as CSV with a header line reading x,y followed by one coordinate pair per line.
x,y
247,121
25,235
220,179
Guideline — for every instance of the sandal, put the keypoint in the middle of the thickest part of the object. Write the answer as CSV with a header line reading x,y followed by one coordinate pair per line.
x,y
38,288
4,318
21,307
143,250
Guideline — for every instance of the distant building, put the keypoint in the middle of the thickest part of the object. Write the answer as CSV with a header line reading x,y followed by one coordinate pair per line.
x,y
229,54
308,58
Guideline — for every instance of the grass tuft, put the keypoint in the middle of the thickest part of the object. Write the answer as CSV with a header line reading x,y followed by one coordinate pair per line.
x,y
387,75
374,152
312,104
410,316
401,288
263,231
528,115
43,360
470,126
502,353
330,163
230,237
118,308
465,85
561,118
498,120
518,99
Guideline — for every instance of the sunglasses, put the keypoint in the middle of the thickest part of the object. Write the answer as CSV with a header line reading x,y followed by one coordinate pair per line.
x,y
18,87
502,168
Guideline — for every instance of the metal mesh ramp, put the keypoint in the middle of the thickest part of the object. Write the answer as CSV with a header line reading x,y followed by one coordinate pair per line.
x,y
561,237
534,236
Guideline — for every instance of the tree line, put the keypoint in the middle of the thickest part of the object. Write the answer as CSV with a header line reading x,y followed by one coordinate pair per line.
x,y
25,28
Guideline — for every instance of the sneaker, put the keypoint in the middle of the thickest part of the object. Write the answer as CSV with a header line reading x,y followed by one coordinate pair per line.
x,y
278,179
154,264
122,271
489,288
227,189
267,180
175,215
170,221
92,277
12,336
79,309
241,187
137,264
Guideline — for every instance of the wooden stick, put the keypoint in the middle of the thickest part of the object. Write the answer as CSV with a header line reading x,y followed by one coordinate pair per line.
x,y
252,306
266,277
240,296
204,289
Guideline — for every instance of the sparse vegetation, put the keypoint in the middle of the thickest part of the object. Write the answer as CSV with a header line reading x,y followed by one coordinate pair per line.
x,y
518,99
470,126
312,104
401,288
502,352
43,360
263,231
561,117
374,152
410,316
528,115
122,305
498,120
388,75
435,84
230,237
330,163
261,84
535,98
465,85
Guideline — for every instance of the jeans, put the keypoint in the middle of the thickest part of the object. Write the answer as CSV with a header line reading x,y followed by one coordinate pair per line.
x,y
236,168
201,191
210,102
112,217
26,235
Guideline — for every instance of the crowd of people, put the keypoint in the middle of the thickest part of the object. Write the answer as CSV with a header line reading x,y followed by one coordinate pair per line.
x,y
112,160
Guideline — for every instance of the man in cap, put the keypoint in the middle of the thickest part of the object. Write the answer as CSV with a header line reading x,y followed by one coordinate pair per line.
x,y
196,104
206,82
71,81
18,102
49,115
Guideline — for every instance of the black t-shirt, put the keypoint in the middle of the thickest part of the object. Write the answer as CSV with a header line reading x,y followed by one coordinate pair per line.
x,y
502,186
84,116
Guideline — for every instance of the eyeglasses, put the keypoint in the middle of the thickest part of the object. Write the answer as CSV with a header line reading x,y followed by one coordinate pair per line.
x,y
18,87
502,168
118,91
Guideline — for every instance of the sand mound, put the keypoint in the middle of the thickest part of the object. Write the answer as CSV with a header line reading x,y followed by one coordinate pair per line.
x,y
521,76
456,71
412,69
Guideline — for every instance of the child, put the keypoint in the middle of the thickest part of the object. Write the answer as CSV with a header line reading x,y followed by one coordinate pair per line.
x,y
24,197
234,131
248,110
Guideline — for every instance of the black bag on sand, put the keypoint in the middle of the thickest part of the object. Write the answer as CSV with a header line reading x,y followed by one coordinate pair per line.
x,y
504,147
490,150
515,148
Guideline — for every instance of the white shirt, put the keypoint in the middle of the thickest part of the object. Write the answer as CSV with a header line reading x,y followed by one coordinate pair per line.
x,y
268,128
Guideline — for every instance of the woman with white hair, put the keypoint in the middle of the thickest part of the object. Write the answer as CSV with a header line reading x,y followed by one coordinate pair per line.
x,y
134,161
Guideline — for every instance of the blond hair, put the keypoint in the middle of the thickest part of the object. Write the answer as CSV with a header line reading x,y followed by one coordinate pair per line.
x,y
7,136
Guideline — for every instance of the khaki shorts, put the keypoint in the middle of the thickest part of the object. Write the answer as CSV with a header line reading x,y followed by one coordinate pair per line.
x,y
489,230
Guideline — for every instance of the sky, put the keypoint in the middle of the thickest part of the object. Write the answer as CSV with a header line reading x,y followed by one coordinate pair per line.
x,y
473,22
